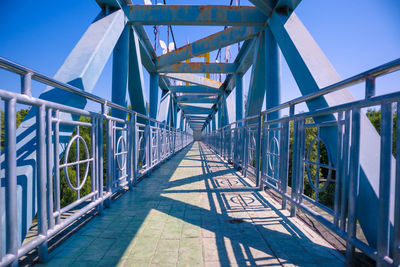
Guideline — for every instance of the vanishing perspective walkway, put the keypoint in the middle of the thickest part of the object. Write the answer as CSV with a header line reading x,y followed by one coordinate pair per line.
x,y
195,210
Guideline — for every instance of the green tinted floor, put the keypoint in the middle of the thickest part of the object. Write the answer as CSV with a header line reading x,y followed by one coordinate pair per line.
x,y
195,210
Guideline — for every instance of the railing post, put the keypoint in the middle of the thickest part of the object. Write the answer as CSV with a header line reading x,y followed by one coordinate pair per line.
x,y
135,149
295,159
149,147
93,148
110,159
130,140
26,81
345,171
50,164
100,161
284,160
384,183
258,151
245,153
158,142
56,167
396,232
41,173
353,183
11,180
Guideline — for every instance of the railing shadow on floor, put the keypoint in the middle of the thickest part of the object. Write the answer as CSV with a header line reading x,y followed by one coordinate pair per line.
x,y
125,228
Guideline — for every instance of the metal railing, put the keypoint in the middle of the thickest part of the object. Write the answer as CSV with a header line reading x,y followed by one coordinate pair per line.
x,y
70,151
313,155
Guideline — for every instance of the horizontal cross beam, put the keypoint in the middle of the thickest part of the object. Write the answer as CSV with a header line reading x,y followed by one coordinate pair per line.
x,y
199,100
193,89
207,15
210,43
195,109
188,97
194,117
193,78
199,67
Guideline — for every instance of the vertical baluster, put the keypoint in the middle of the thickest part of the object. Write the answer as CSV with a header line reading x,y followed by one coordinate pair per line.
x,y
78,193
244,150
300,162
344,172
11,180
354,183
129,151
147,144
100,161
284,160
50,162
110,159
295,160
384,182
135,149
396,232
317,165
93,141
57,187
338,168
158,147
41,173
258,151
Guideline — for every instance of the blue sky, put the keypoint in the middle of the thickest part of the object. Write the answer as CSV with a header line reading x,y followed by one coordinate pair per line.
x,y
354,34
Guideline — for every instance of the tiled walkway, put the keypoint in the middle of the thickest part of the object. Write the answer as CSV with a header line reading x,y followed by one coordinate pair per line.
x,y
195,210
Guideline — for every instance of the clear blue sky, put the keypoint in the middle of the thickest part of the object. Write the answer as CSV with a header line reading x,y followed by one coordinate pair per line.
x,y
354,34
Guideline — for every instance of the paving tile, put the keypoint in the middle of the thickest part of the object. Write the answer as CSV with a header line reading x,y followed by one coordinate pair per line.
x,y
194,212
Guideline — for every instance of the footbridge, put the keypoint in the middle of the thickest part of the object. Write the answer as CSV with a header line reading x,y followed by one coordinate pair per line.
x,y
186,177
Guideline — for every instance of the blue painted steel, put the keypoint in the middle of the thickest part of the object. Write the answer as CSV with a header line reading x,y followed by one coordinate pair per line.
x,y
239,96
200,67
120,73
185,97
82,68
221,39
272,67
211,15
194,89
223,116
257,85
136,85
213,124
265,6
347,169
194,109
153,95
312,71
194,79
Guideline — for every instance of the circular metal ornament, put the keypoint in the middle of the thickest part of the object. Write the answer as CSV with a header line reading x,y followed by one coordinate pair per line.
x,y
77,138
122,142
318,140
273,154
252,147
142,151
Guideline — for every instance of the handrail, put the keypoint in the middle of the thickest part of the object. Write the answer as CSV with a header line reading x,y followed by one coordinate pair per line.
x,y
372,73
21,70
265,149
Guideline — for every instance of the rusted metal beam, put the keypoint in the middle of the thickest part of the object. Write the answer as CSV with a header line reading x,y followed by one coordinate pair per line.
x,y
200,67
207,15
193,78
220,39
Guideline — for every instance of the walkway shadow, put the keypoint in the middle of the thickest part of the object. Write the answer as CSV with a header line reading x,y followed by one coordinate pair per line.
x,y
167,221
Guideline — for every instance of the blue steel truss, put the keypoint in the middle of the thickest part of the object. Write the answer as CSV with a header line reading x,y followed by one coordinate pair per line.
x,y
140,138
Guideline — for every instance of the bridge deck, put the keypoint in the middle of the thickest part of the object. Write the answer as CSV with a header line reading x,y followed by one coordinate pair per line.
x,y
195,210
